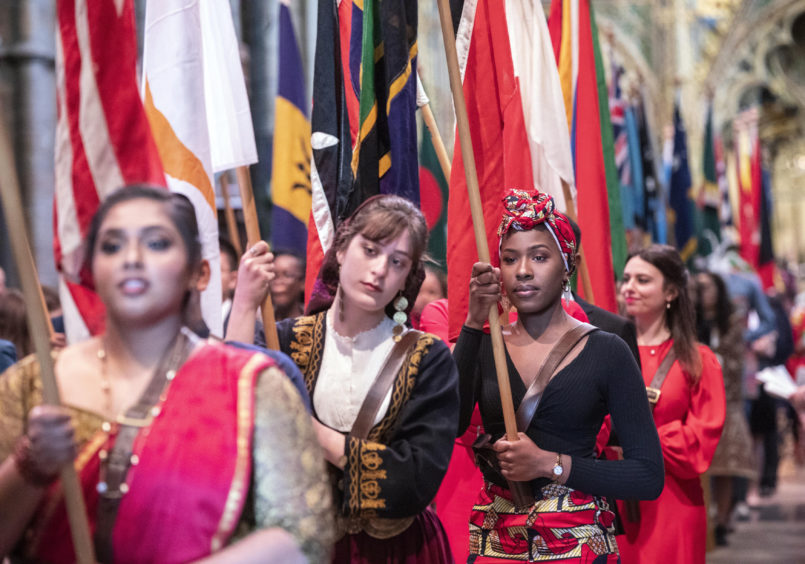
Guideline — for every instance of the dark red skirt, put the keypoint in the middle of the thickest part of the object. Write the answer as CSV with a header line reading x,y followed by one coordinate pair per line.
x,y
424,542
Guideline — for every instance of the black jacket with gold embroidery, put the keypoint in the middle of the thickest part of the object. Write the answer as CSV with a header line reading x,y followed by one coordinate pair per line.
x,y
396,472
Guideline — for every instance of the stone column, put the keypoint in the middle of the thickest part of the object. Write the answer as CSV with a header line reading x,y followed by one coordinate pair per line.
x,y
28,100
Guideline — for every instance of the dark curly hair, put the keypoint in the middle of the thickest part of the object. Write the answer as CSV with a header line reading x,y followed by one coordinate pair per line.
x,y
379,218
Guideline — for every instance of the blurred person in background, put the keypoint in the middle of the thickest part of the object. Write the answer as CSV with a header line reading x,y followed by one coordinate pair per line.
x,y
58,340
14,323
434,287
764,408
719,327
229,274
288,286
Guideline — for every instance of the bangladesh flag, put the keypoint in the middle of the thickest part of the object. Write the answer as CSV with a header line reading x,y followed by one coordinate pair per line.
x,y
433,190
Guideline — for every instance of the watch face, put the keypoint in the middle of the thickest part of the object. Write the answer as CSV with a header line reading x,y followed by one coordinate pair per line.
x,y
558,470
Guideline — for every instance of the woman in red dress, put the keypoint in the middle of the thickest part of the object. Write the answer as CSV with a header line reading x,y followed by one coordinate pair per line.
x,y
689,410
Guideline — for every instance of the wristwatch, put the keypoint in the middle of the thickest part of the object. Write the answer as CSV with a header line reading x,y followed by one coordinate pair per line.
x,y
558,469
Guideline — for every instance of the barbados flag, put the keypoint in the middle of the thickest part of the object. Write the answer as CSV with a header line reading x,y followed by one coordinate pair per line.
x,y
290,174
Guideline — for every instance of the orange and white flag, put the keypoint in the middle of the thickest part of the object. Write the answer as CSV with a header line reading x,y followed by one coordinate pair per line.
x,y
199,126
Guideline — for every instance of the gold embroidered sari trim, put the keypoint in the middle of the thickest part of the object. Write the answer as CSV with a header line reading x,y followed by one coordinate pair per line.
x,y
240,480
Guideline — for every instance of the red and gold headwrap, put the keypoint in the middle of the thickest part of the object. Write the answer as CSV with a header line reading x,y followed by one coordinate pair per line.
x,y
523,210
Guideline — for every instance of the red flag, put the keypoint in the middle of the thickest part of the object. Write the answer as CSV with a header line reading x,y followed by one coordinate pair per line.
x,y
517,123
103,140
575,42
747,150
499,143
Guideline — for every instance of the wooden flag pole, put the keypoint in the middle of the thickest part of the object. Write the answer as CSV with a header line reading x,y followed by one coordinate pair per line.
x,y
477,212
253,236
584,271
38,323
231,224
48,321
438,144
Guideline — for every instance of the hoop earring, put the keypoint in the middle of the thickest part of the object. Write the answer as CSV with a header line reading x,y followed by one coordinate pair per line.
x,y
400,317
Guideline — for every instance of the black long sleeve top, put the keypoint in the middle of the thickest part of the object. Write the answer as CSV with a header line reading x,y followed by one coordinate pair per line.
x,y
603,379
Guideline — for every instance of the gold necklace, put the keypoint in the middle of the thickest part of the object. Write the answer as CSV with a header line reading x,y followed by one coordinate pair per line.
x,y
111,428
106,384
106,426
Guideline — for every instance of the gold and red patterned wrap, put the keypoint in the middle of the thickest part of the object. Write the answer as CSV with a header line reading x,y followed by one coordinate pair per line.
x,y
564,526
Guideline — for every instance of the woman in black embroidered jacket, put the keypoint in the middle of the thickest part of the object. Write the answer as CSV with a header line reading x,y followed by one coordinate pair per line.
x,y
385,481
569,521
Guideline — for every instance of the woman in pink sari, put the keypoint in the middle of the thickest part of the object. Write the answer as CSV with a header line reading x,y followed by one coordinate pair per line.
x,y
185,449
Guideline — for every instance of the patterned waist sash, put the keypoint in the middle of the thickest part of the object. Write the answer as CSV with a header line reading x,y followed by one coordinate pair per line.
x,y
564,525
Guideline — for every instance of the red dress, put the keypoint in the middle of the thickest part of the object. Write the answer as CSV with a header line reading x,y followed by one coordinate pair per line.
x,y
673,527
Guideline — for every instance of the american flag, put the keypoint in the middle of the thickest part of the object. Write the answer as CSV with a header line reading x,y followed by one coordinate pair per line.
x,y
618,108
103,140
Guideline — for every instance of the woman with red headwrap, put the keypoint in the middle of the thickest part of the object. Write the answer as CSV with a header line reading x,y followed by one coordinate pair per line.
x,y
561,514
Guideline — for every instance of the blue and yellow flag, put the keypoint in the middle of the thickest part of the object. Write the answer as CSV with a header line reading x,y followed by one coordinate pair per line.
x,y
290,175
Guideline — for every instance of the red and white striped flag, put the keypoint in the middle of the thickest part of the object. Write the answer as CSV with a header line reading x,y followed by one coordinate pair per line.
x,y
103,140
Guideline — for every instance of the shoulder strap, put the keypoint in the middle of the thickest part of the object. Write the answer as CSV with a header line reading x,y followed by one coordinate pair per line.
x,y
527,408
653,389
382,384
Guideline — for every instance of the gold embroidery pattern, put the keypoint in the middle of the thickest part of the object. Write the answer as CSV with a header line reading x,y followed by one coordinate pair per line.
x,y
353,501
365,468
403,386
364,459
307,347
370,473
240,479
